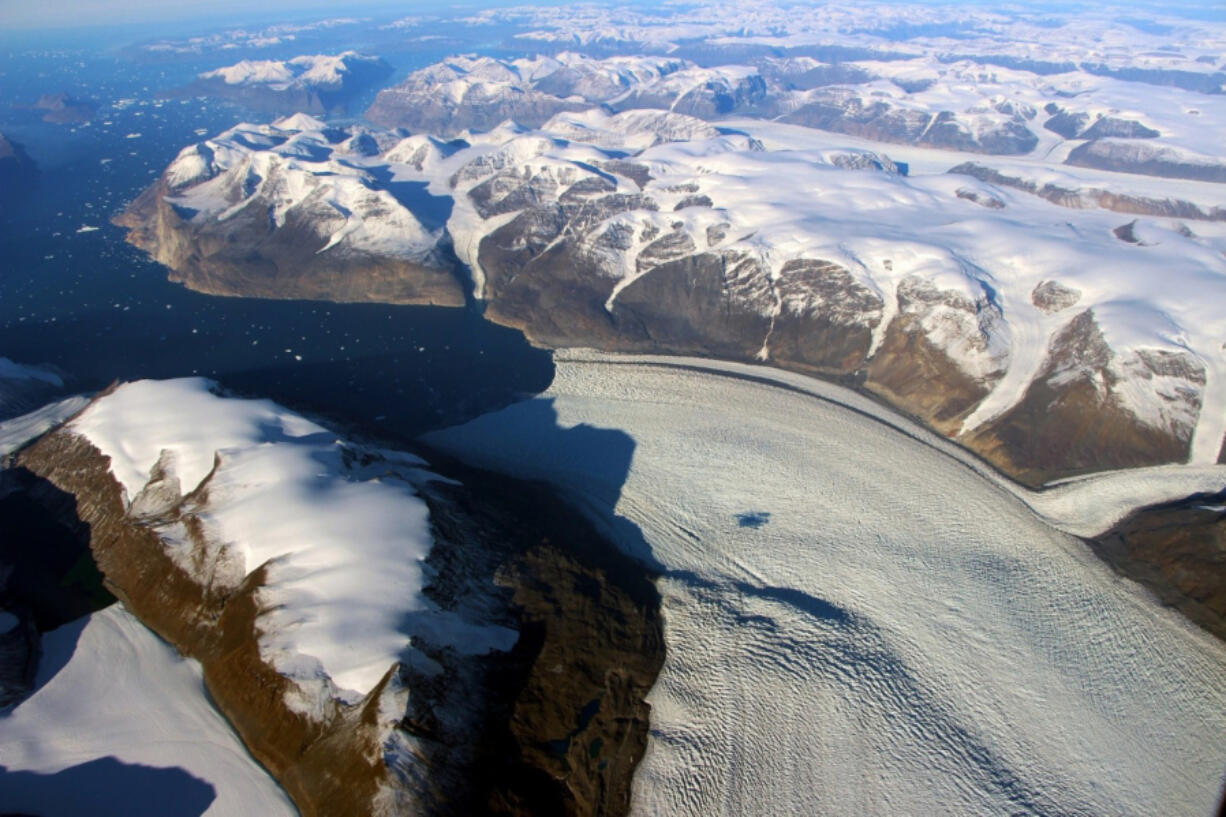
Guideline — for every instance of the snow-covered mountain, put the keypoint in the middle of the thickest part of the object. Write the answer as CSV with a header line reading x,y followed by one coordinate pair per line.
x,y
1001,313
357,616
313,83
290,210
931,100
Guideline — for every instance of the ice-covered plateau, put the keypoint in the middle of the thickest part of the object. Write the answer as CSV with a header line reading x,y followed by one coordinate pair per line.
x,y
1036,332
357,618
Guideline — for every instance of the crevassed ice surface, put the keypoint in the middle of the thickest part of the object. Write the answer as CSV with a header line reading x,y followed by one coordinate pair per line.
x,y
901,635
113,698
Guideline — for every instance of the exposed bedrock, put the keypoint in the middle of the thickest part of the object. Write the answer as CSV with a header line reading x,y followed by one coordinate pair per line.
x,y
1146,159
1074,417
1084,197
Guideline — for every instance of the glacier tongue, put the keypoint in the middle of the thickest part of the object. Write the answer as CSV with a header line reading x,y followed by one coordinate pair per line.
x,y
892,632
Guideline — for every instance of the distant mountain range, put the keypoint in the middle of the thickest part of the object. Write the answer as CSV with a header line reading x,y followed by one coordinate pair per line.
x,y
312,84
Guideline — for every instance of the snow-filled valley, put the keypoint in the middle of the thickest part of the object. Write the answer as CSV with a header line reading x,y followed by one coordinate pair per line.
x,y
858,622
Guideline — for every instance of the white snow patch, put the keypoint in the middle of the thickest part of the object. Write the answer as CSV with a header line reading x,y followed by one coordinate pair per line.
x,y
17,431
108,688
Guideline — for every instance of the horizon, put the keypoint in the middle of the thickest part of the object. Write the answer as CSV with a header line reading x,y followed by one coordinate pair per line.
x,y
73,15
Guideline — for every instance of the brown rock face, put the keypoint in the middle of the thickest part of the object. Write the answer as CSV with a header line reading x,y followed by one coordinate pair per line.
x,y
826,319
698,304
555,726
1178,551
564,722
1053,296
244,256
1070,419
909,372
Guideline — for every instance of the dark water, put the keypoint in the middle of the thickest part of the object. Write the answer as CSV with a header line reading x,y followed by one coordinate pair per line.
x,y
82,300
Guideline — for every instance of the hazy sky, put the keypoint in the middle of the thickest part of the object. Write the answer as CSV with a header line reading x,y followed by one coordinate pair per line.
x,y
69,13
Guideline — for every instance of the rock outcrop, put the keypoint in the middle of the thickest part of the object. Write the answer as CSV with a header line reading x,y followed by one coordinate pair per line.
x,y
1147,159
1178,551
1082,197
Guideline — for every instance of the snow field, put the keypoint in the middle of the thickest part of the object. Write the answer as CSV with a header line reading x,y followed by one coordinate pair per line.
x,y
110,689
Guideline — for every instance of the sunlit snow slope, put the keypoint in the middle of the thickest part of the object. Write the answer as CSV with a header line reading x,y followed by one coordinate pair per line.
x,y
858,623
121,724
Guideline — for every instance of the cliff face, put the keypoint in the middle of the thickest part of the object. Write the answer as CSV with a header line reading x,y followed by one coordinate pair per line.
x,y
555,724
1178,551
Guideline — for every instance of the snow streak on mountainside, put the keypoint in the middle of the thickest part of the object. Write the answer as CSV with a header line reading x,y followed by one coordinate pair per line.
x,y
859,624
